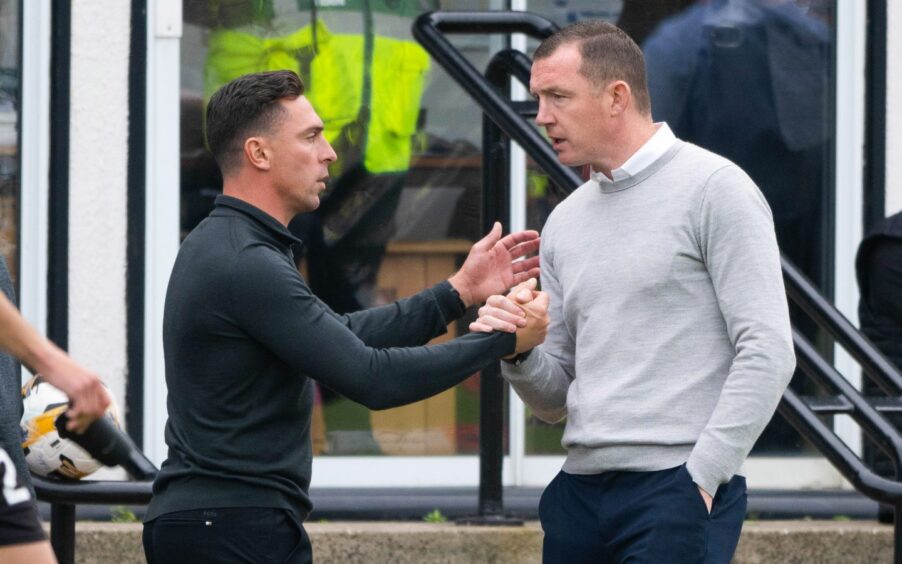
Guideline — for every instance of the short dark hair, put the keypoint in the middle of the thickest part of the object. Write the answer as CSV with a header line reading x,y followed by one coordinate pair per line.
x,y
246,106
608,54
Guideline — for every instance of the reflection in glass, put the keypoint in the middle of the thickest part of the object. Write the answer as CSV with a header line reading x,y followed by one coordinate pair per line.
x,y
9,124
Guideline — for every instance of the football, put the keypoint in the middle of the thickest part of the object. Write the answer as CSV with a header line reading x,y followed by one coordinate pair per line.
x,y
46,453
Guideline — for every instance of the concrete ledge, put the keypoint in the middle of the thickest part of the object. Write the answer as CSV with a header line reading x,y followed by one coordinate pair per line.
x,y
825,542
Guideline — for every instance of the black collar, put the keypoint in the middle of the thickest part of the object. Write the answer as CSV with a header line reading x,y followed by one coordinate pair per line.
x,y
270,223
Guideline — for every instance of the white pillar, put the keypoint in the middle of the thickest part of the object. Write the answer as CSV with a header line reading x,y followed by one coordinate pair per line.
x,y
98,157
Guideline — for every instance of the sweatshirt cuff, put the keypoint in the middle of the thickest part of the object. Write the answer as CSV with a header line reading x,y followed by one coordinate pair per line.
x,y
521,368
706,474
449,303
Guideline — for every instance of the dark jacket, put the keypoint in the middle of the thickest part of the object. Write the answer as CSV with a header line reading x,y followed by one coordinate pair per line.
x,y
879,270
243,336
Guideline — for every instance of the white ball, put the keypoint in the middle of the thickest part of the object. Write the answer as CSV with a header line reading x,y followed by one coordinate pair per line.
x,y
46,453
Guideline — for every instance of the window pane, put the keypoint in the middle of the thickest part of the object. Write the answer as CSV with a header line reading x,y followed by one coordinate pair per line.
x,y
751,80
404,202
9,130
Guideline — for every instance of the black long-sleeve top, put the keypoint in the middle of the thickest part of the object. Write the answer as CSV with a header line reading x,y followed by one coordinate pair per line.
x,y
243,335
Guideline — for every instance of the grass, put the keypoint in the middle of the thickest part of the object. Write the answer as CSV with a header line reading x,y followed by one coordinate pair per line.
x,y
435,516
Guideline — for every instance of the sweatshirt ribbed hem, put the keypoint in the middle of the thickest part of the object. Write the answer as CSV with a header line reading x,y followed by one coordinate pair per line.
x,y
630,458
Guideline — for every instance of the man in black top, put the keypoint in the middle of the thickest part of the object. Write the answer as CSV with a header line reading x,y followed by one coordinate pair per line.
x,y
243,337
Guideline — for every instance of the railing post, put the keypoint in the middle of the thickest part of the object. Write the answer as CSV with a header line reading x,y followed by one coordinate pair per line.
x,y
62,532
491,443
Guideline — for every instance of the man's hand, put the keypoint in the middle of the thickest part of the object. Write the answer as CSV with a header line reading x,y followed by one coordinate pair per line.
x,y
523,311
490,268
505,314
533,334
709,501
88,398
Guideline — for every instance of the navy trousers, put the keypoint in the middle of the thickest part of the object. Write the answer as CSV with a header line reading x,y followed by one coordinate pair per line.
x,y
252,535
632,517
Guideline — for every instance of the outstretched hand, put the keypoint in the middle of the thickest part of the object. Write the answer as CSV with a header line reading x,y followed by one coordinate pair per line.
x,y
491,267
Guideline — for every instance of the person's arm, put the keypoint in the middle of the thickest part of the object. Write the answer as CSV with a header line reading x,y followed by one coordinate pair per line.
x,y
736,235
274,306
87,396
543,377
490,268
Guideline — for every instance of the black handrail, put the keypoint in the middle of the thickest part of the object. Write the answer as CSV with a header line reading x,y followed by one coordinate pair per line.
x,y
868,418
93,492
428,30
110,446
63,496
804,294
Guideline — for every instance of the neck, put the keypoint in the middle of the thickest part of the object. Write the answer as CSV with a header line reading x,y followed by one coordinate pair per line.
x,y
634,132
255,192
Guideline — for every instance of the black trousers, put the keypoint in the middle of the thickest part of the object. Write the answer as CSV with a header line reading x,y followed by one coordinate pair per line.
x,y
255,535
655,517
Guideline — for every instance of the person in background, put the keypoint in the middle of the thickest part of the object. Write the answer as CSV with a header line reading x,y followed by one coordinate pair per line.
x,y
22,540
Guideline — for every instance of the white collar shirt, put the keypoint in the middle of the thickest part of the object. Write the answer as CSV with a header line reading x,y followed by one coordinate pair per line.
x,y
657,145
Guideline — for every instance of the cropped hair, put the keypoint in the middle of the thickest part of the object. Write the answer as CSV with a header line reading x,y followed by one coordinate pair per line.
x,y
608,53
246,106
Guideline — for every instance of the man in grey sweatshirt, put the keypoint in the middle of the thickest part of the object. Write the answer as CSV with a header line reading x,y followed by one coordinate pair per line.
x,y
669,345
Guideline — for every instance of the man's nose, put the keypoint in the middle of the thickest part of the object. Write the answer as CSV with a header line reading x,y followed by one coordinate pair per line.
x,y
329,154
543,117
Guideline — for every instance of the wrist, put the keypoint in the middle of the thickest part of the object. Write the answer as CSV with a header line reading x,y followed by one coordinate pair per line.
x,y
459,284
517,358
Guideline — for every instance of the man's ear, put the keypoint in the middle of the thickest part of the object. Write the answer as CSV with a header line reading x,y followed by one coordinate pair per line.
x,y
621,97
257,153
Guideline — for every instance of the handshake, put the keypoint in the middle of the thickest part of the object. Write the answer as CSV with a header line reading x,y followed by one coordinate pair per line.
x,y
523,311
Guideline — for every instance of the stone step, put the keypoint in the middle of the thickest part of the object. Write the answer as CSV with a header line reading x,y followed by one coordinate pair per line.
x,y
824,542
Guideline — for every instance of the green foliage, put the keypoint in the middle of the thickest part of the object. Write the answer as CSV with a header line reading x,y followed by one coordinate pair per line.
x,y
841,518
435,516
122,514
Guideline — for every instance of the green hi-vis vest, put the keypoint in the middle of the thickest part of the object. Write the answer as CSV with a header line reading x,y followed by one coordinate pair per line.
x,y
336,82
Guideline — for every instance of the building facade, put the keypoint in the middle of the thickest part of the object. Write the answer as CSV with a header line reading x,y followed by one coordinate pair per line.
x,y
103,170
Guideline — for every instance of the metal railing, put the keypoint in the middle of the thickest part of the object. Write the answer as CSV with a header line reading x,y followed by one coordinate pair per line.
x,y
504,121
111,447
64,496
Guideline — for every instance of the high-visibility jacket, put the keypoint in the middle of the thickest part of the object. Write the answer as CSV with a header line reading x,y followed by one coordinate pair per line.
x,y
336,82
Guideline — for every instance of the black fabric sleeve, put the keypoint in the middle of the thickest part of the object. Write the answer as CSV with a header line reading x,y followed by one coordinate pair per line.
x,y
273,305
885,271
408,322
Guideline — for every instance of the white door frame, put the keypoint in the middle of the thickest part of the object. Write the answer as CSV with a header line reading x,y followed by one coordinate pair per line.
x,y
164,31
35,163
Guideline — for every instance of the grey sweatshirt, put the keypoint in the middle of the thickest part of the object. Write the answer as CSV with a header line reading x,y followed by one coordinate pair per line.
x,y
670,340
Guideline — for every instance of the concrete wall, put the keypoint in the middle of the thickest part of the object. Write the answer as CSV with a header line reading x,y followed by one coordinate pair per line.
x,y
98,141
893,107
787,542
